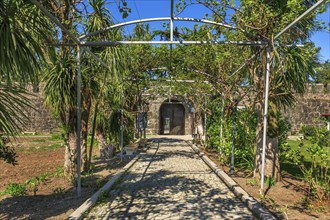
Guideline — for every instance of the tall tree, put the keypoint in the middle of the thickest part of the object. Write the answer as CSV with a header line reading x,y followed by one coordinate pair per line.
x,y
322,73
23,33
290,69
60,88
290,66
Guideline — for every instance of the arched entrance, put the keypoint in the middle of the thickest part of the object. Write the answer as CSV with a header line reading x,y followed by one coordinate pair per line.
x,y
172,118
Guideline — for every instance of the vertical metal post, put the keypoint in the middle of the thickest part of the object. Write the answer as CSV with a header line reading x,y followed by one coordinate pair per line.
x,y
144,122
171,39
78,121
221,125
171,21
265,122
205,122
144,129
232,161
122,123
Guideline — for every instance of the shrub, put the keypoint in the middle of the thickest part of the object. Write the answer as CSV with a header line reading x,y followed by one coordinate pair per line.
x,y
252,182
33,184
59,172
307,130
284,127
315,174
59,190
7,153
16,189
270,181
245,135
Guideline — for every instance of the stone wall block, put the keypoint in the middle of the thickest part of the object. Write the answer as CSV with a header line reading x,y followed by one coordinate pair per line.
x,y
309,107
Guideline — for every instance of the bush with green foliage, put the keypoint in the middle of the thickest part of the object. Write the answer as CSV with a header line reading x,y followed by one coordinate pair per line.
x,y
16,189
59,190
307,130
284,128
246,123
245,135
315,173
30,185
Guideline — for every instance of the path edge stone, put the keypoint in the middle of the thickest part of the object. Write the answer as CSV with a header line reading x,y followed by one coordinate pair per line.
x,y
79,212
255,207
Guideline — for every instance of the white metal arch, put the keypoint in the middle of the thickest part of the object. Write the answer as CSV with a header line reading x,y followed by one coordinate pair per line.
x,y
205,21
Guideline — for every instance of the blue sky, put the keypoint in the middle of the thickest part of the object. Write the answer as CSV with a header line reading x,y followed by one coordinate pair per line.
x,y
322,39
161,8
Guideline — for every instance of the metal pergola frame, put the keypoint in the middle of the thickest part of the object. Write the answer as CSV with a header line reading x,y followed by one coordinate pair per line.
x,y
170,42
80,42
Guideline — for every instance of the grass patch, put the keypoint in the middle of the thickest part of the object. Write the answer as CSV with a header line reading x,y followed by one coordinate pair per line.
x,y
56,136
59,172
59,190
28,134
295,145
39,140
307,155
15,189
293,169
46,148
32,184
150,135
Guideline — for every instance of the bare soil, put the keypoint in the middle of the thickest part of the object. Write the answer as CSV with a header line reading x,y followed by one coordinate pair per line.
x,y
285,200
56,198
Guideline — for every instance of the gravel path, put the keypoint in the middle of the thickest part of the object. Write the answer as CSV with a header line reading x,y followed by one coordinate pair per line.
x,y
170,181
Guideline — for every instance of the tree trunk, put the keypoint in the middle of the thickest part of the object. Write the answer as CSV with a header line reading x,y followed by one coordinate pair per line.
x,y
199,126
84,159
106,151
272,164
70,157
84,133
93,135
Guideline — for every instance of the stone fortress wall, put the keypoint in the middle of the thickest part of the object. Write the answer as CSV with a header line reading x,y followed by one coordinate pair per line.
x,y
40,118
154,114
307,109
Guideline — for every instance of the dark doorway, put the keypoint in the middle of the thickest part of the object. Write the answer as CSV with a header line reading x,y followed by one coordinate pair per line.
x,y
172,119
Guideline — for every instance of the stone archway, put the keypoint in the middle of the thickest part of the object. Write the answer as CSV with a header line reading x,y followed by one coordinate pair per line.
x,y
172,118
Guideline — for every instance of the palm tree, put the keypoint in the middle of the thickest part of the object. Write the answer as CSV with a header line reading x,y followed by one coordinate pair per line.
x,y
60,96
23,33
103,98
288,75
60,82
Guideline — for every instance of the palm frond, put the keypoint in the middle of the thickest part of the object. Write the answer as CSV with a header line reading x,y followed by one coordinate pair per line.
x,y
60,85
22,32
298,65
13,104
